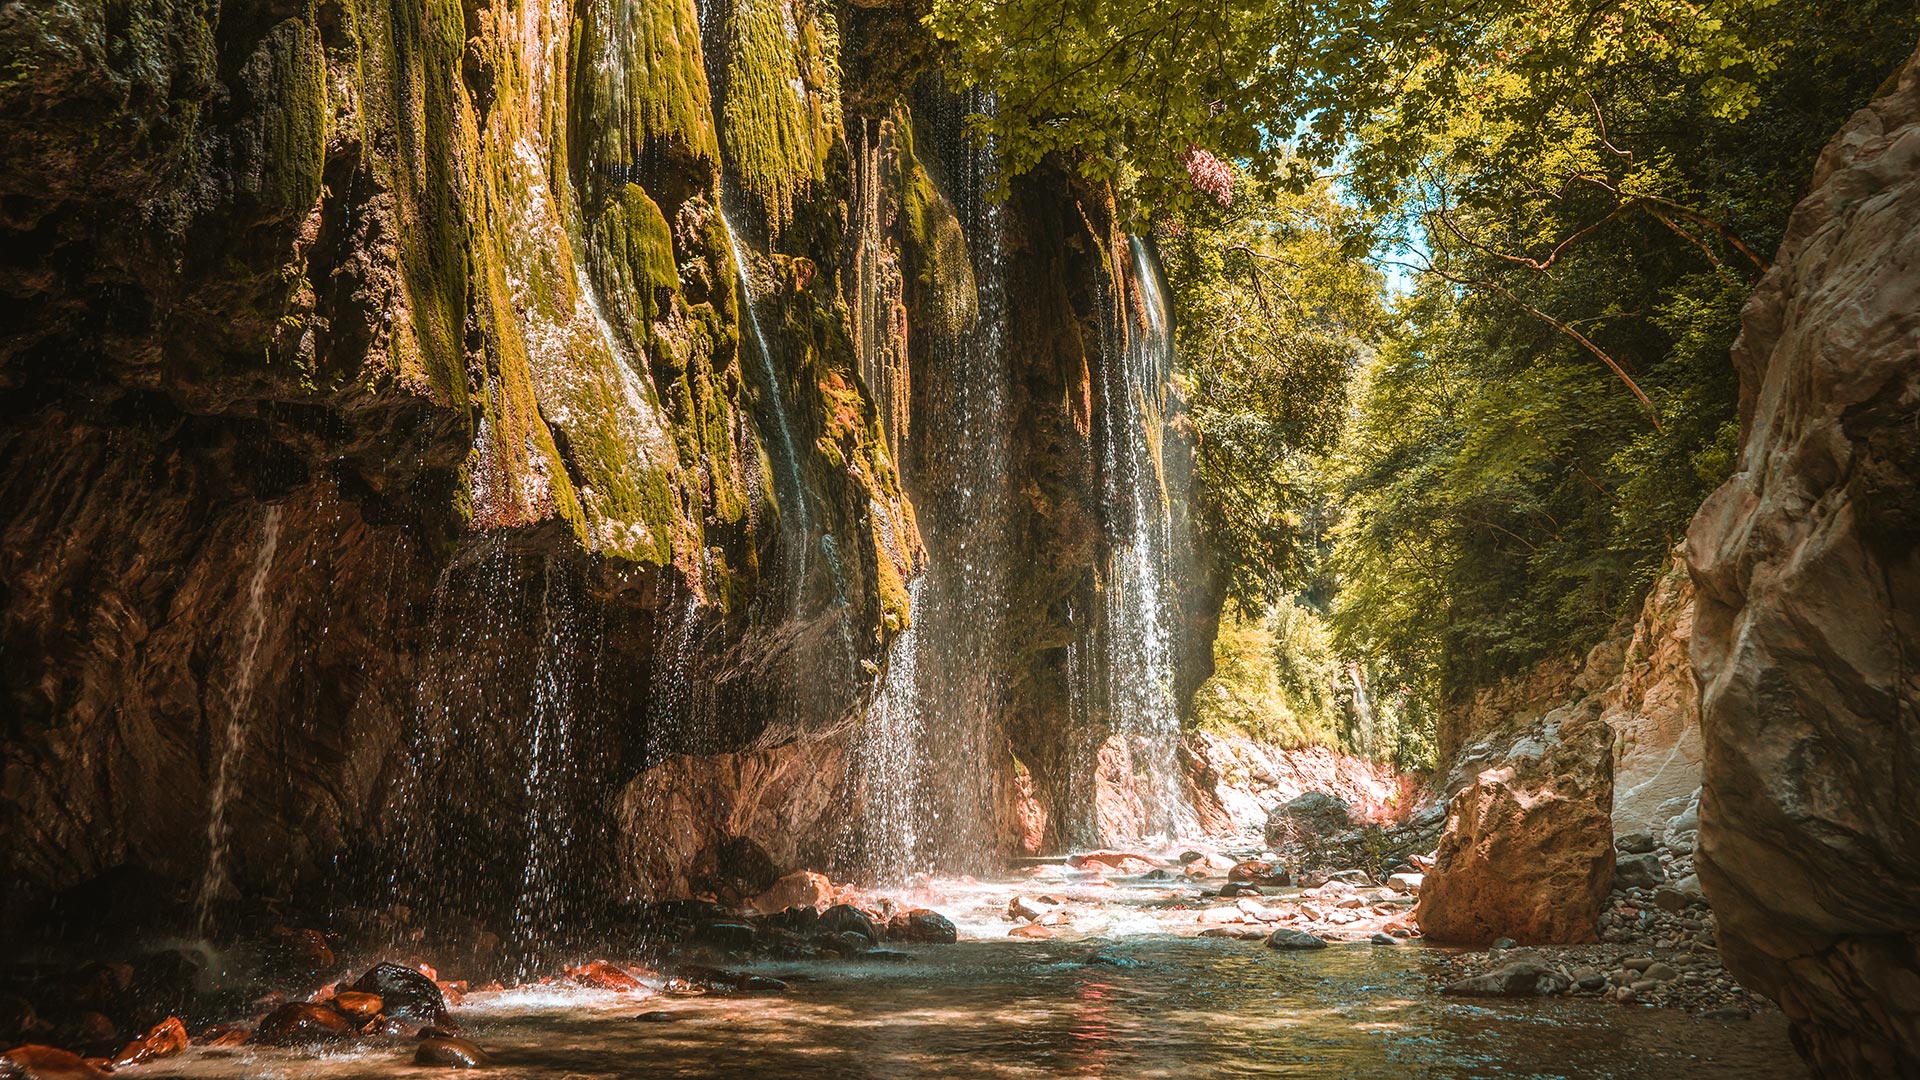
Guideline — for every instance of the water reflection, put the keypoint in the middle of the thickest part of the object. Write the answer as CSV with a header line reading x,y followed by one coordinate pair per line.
x,y
1144,1007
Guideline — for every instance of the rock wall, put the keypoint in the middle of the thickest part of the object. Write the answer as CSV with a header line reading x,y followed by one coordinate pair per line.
x,y
1653,706
1807,639
418,423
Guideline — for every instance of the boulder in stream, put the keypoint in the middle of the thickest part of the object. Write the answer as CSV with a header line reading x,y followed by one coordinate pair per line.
x,y
1284,938
406,994
1522,978
449,1052
303,1023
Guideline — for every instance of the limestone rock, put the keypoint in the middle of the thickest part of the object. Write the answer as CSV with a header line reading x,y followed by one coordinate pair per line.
x,y
1284,938
1312,816
1807,634
1528,847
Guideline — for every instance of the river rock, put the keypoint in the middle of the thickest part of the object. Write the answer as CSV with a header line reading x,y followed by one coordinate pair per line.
x,y
1284,938
356,1005
1636,843
1259,872
36,1062
303,1023
449,1052
406,994
1406,882
601,975
801,889
723,933
1807,636
164,1039
1528,847
1521,978
845,918
1638,872
1310,817
923,927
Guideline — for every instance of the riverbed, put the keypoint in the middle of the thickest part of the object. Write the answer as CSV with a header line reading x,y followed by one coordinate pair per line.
x,y
1122,996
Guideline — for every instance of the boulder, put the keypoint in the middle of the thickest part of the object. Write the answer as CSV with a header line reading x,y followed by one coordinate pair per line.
x,y
1635,843
356,1005
601,975
1313,816
1638,871
1260,872
803,888
1528,848
1521,978
35,1062
1284,938
1807,627
406,994
303,1023
1405,882
449,1052
164,1039
922,927
845,918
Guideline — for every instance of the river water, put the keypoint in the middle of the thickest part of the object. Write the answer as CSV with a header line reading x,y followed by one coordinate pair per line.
x,y
1128,996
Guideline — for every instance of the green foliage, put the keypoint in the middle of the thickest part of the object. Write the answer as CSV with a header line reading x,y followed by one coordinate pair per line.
x,y
1272,315
1275,679
1509,494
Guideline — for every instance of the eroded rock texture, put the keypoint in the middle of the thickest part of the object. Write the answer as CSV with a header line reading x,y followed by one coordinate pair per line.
x,y
1807,641
1527,852
419,423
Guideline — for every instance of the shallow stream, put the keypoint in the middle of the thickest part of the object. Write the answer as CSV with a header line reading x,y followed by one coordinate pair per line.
x,y
1134,998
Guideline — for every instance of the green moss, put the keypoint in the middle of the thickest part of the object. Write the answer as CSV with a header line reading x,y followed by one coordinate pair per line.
x,y
780,115
938,261
639,83
288,76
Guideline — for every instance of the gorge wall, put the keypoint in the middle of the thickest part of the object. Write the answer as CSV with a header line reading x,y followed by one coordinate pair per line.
x,y
1807,642
478,446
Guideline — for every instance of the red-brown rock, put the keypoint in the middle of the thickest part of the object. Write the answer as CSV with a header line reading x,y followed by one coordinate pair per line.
x,y
357,1005
1528,847
303,1023
802,888
166,1039
604,976
35,1062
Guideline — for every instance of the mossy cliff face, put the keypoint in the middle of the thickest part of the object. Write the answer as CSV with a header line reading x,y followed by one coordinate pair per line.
x,y
439,418
371,370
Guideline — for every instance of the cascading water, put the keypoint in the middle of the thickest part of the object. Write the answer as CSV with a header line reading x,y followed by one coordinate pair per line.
x,y
926,754
237,698
539,909
1140,618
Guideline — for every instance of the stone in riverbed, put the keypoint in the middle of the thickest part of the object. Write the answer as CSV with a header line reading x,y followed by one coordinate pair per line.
x,y
1312,816
1521,978
1236,888
923,927
407,994
1031,930
803,888
1635,843
847,918
1405,882
356,1005
1528,847
165,1039
36,1062
601,975
1638,872
724,934
303,1023
1284,938
1260,872
449,1052
1022,908
1378,938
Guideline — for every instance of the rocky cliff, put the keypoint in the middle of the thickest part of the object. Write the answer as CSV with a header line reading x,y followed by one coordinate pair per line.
x,y
1807,639
422,422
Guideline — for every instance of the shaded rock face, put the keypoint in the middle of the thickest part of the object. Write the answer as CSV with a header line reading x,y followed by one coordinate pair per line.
x,y
437,450
1527,852
1807,640
1654,708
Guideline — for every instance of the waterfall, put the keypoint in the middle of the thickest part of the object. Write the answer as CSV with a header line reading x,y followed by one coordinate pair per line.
x,y
762,349
929,752
237,698
1140,616
539,909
